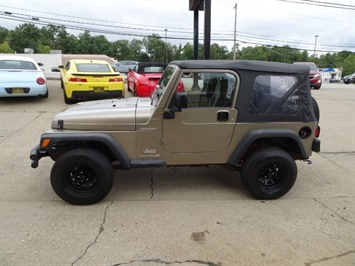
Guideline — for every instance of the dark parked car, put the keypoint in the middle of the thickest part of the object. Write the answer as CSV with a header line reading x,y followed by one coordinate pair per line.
x,y
349,78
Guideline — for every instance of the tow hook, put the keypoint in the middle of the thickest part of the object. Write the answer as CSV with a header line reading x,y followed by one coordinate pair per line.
x,y
307,161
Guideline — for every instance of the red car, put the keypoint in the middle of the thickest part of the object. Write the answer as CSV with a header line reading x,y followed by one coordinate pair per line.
x,y
315,78
143,78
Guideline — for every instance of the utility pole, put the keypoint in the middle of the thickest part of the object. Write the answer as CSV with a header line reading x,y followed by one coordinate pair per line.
x,y
235,30
166,45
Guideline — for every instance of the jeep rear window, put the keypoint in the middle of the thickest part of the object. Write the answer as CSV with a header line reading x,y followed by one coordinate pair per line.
x,y
268,95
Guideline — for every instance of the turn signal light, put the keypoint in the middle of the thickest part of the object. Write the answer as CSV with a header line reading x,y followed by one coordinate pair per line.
x,y
45,142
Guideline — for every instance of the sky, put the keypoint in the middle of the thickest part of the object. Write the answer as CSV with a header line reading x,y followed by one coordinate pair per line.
x,y
324,25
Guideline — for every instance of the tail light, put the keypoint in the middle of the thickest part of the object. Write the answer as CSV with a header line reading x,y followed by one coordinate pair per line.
x,y
77,79
40,81
317,132
115,80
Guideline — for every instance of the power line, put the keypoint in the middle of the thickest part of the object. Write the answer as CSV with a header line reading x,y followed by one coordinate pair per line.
x,y
318,3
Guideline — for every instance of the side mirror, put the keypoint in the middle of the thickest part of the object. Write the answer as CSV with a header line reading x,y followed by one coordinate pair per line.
x,y
60,66
55,69
181,100
40,64
178,102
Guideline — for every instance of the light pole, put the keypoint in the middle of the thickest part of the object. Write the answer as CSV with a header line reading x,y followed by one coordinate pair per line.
x,y
315,47
166,45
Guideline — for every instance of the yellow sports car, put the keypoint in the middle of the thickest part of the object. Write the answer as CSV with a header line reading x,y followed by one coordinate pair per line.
x,y
90,79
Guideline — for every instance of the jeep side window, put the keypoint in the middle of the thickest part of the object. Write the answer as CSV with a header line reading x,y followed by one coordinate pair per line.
x,y
209,89
268,92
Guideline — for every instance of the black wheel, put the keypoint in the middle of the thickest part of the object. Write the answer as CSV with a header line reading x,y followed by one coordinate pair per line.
x,y
82,176
45,95
268,173
134,90
316,109
66,99
61,83
317,87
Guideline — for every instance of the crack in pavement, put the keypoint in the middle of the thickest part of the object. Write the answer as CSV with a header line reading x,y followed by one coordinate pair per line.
x,y
208,263
329,160
34,119
151,185
341,217
330,258
101,229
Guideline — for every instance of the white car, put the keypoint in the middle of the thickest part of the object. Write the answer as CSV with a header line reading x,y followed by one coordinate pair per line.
x,y
21,76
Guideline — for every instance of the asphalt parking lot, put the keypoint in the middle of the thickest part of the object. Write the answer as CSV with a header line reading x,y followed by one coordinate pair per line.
x,y
183,215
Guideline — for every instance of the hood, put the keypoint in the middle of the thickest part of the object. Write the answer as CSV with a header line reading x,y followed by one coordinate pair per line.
x,y
103,115
313,72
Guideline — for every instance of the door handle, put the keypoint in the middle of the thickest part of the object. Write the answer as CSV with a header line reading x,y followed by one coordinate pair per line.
x,y
222,115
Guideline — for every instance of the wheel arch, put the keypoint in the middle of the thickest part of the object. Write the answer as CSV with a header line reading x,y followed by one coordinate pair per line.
x,y
60,143
261,137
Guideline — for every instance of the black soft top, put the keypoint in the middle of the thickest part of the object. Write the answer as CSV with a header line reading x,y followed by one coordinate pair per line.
x,y
243,65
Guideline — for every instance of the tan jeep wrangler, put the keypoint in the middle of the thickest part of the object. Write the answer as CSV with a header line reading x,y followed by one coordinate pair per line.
x,y
256,117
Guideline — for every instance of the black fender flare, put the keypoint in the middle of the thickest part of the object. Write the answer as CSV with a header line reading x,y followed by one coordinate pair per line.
x,y
257,134
103,138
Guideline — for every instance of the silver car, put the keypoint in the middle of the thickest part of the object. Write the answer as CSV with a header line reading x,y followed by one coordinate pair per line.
x,y
124,66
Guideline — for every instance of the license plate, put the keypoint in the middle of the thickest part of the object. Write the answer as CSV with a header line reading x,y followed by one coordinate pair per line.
x,y
99,89
18,90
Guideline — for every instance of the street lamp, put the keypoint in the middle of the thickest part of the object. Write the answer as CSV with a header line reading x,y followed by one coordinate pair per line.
x,y
315,47
166,45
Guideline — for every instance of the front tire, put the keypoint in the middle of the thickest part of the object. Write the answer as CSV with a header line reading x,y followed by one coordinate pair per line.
x,y
82,176
268,173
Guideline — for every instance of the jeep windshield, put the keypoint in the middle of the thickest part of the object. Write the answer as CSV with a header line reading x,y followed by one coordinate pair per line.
x,y
162,84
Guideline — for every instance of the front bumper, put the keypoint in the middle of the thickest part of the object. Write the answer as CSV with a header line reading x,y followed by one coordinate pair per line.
x,y
35,156
316,145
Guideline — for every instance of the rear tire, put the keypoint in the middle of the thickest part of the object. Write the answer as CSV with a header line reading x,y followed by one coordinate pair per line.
x,y
82,176
268,173
66,99
316,109
45,95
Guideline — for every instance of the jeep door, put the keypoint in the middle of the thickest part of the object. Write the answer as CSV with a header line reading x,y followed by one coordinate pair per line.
x,y
208,123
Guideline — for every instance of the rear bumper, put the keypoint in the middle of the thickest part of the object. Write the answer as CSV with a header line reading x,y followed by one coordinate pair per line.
x,y
316,145
90,95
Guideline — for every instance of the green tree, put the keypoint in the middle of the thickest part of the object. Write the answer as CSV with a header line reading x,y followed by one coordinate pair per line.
x,y
5,48
349,65
188,52
25,36
136,51
4,34
120,50
155,48
66,42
